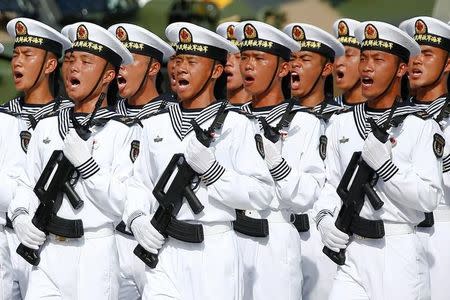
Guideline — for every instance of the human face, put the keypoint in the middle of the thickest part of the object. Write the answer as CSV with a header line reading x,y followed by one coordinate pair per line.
x,y
234,78
65,67
377,69
258,70
84,72
346,73
425,68
131,76
171,71
26,64
192,73
306,68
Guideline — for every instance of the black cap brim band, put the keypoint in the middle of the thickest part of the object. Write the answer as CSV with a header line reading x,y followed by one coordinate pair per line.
x,y
266,46
99,50
202,50
317,47
433,40
386,46
38,42
143,49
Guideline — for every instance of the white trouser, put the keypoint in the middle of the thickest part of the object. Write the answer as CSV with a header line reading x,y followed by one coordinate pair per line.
x,y
318,270
436,241
20,267
132,270
197,271
393,267
84,268
6,278
272,265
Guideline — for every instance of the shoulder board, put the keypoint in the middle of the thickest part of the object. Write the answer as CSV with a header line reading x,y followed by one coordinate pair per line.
x,y
241,112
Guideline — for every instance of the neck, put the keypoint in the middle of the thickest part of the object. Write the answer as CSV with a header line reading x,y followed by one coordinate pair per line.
x,y
144,95
354,95
88,105
202,100
238,96
431,93
315,97
271,97
387,100
39,94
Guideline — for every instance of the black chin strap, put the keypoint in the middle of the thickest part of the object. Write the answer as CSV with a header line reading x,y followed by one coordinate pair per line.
x,y
273,76
98,82
389,85
439,76
314,85
204,84
40,70
144,78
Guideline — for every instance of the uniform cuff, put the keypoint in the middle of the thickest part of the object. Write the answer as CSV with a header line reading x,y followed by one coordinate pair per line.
x,y
212,174
322,214
281,171
17,212
133,217
88,168
387,170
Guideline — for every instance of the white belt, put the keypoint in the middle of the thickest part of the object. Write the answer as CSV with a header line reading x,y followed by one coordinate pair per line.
x,y
442,214
89,233
213,228
394,229
272,216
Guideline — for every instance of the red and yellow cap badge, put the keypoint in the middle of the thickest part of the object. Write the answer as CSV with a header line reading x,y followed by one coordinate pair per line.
x,y
250,32
82,33
298,33
21,29
185,36
420,27
121,34
230,32
343,29
370,32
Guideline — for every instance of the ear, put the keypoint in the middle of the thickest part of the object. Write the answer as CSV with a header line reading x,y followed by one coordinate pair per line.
x,y
447,66
218,70
327,69
50,65
402,69
284,68
154,68
110,75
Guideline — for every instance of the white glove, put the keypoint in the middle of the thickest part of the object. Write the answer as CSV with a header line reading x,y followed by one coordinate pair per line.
x,y
77,150
272,153
199,157
332,238
146,235
375,153
27,233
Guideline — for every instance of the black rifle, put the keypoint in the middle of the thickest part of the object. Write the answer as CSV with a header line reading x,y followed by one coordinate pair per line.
x,y
170,202
358,181
59,176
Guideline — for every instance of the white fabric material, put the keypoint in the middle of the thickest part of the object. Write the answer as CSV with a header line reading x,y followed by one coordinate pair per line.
x,y
332,237
87,269
376,153
146,235
377,269
188,271
350,25
6,277
77,150
27,233
199,157
433,26
280,253
272,153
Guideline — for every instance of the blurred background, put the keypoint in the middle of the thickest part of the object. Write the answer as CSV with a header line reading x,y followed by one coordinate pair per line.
x,y
156,14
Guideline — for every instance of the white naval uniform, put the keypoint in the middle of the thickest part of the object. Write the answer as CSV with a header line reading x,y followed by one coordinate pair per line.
x,y
132,270
298,181
239,180
437,238
410,183
84,268
18,120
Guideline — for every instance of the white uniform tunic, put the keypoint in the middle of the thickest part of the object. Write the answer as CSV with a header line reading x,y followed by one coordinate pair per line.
x,y
17,122
65,269
409,184
298,180
239,180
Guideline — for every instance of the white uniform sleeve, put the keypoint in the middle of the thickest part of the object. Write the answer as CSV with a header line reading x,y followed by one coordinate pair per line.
x,y
328,199
417,185
300,188
140,185
106,188
248,183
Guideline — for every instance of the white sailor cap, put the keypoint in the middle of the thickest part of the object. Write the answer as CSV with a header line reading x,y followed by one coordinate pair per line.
x,y
141,41
344,30
1,48
32,33
66,31
255,35
375,35
97,40
428,31
195,40
314,39
227,30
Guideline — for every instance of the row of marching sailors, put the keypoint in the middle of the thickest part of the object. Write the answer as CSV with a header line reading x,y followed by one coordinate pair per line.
x,y
262,173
